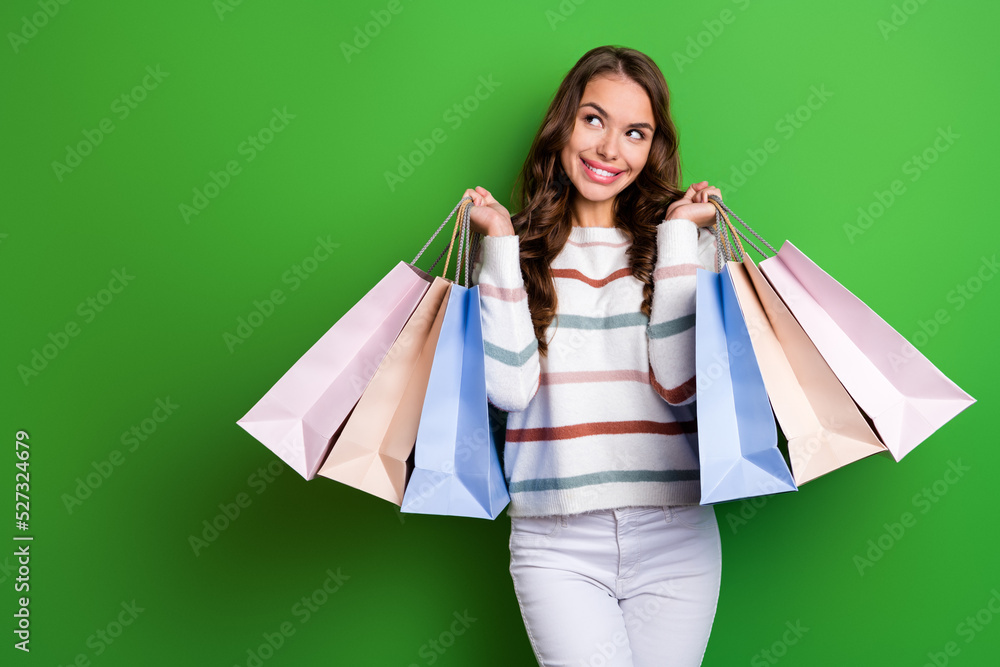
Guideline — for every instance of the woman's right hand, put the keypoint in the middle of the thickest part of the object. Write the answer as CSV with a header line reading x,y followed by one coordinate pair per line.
x,y
488,216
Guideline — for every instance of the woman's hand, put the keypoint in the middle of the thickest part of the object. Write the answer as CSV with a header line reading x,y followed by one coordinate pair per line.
x,y
488,216
695,206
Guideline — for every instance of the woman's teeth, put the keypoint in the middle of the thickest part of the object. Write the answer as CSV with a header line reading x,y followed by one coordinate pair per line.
x,y
601,172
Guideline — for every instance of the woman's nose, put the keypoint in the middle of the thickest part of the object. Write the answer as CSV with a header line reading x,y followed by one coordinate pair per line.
x,y
607,149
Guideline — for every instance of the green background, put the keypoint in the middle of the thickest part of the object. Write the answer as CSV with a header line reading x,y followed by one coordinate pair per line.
x,y
323,176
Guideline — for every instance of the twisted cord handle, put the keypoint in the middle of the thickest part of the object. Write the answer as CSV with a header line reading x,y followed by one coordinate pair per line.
x,y
434,235
723,208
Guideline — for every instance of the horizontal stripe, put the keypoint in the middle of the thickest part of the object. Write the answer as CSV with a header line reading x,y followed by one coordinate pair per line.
x,y
514,294
674,271
584,244
609,322
573,274
671,327
603,477
509,357
599,428
677,394
579,377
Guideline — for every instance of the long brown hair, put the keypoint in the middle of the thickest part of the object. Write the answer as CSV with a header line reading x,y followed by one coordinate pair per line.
x,y
543,222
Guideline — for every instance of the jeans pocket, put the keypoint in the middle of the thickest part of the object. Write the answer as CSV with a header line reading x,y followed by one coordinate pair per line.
x,y
692,516
534,530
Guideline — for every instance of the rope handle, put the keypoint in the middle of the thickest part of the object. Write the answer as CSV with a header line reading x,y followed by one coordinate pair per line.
x,y
446,252
722,208
730,245
468,243
728,236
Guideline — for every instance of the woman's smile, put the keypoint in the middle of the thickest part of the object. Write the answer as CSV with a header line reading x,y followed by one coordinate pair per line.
x,y
600,173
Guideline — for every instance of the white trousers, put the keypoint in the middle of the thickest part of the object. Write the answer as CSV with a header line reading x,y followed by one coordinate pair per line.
x,y
631,587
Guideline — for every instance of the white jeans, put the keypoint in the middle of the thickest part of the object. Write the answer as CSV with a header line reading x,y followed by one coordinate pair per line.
x,y
631,587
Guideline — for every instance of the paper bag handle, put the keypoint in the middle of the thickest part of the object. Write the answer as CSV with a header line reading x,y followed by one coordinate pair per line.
x,y
466,249
728,233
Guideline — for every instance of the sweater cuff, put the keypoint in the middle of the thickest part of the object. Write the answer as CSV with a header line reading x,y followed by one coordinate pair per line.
x,y
501,261
677,241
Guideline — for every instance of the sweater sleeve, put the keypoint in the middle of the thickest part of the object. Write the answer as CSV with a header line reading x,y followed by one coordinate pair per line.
x,y
512,360
682,247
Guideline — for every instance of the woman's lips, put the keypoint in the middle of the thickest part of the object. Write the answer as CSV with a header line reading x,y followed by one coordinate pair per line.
x,y
596,177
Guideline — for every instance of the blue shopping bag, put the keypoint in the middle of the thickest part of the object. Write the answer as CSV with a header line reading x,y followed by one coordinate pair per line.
x,y
457,469
737,437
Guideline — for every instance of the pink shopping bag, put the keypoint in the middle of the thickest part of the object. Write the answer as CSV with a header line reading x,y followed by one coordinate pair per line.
x,y
902,392
302,415
298,417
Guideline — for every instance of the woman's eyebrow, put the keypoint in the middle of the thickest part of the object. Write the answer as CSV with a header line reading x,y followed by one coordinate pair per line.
x,y
606,115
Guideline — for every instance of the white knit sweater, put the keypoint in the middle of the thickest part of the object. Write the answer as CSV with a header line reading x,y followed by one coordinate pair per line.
x,y
606,419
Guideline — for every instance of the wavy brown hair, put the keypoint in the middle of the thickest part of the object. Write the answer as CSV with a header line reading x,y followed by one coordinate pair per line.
x,y
544,191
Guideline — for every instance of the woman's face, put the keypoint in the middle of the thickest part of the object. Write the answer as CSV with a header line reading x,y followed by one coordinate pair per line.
x,y
612,132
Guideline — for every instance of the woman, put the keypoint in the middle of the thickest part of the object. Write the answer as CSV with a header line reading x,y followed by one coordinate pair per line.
x,y
613,560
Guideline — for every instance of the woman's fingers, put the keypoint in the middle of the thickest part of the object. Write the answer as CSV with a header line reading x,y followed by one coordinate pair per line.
x,y
698,192
480,196
702,195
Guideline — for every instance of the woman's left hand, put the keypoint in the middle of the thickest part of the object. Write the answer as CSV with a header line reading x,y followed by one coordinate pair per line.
x,y
695,206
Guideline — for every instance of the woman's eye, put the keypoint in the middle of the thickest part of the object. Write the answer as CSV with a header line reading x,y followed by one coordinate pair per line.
x,y
591,117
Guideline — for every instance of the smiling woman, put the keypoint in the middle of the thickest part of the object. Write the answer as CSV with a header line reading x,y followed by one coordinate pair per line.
x,y
587,300
605,148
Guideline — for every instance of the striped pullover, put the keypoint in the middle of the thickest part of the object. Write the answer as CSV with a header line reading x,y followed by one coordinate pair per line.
x,y
606,419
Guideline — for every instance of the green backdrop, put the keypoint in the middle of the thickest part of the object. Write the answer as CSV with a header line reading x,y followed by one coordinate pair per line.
x,y
167,167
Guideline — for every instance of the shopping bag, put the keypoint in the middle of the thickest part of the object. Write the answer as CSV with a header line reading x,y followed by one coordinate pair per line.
x,y
372,451
906,397
823,426
737,437
300,417
457,469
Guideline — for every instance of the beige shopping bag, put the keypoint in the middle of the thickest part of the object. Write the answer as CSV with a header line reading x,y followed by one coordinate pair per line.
x,y
824,427
372,450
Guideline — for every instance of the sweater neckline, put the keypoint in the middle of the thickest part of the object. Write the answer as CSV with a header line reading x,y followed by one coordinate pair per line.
x,y
595,233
